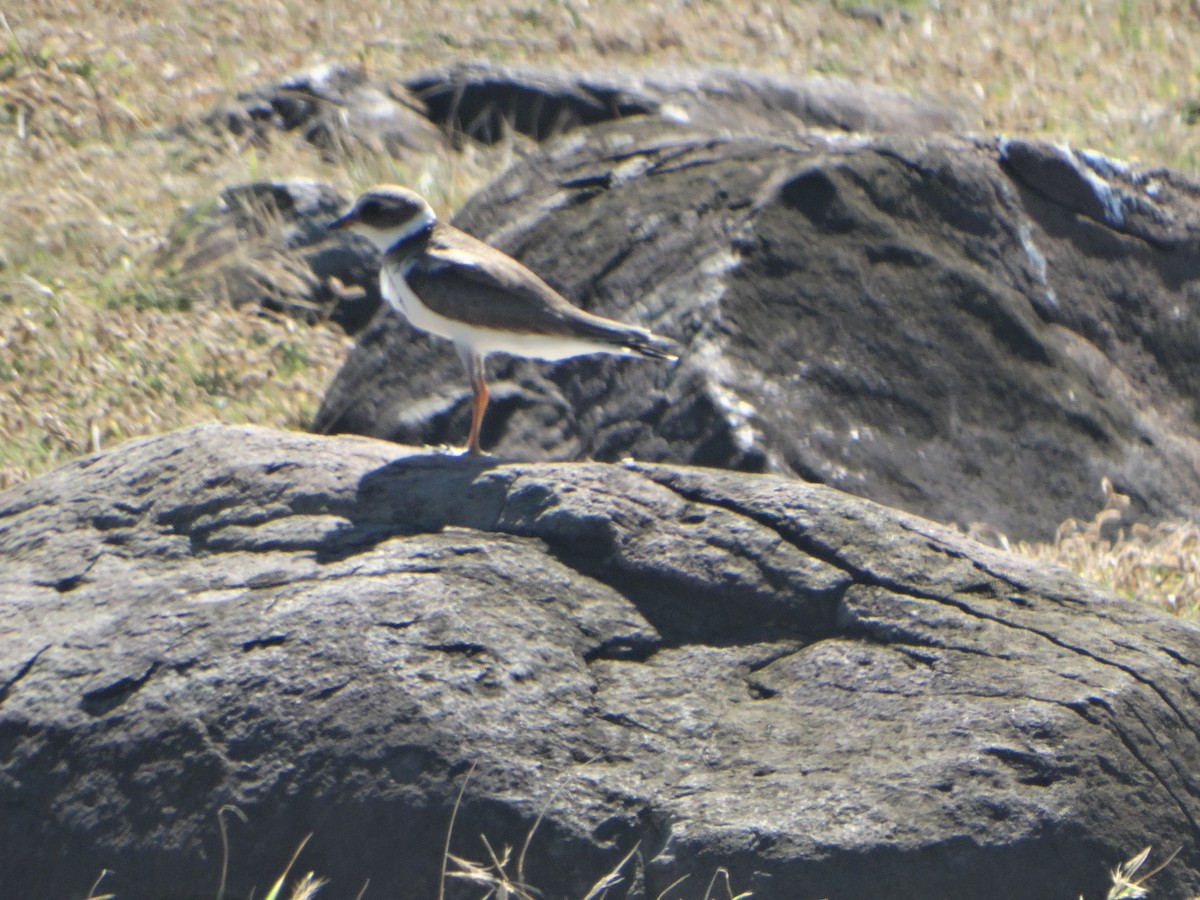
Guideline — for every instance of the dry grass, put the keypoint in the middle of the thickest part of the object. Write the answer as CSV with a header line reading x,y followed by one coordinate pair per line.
x,y
1127,885
98,344
1159,565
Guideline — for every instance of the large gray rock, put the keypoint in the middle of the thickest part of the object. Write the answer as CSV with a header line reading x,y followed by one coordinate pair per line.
x,y
335,107
265,243
489,102
255,243
973,330
828,698
343,109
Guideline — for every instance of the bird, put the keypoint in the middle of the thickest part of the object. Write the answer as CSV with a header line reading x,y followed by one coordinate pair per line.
x,y
448,283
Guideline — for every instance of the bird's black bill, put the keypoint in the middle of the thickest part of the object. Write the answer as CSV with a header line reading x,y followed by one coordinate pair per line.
x,y
340,222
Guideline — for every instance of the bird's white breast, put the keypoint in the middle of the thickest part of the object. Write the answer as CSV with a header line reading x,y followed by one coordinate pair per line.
x,y
401,298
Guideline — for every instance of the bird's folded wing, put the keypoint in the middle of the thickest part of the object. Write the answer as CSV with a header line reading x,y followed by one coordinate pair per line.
x,y
464,279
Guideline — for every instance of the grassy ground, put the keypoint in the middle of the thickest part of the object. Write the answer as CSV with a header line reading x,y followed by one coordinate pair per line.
x,y
99,343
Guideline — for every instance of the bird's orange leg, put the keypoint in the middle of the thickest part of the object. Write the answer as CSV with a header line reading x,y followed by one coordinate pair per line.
x,y
481,401
475,368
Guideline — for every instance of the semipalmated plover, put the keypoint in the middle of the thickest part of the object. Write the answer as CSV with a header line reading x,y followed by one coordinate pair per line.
x,y
448,283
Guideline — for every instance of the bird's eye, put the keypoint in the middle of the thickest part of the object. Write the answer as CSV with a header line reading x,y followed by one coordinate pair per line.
x,y
368,209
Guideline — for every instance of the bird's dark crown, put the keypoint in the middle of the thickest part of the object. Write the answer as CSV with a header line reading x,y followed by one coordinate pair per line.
x,y
389,206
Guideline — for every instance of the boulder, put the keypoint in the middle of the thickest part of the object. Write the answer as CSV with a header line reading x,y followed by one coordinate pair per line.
x,y
702,668
336,107
259,242
343,109
488,102
975,330
264,243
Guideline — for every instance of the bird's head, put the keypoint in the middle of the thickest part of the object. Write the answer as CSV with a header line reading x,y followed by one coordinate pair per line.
x,y
387,214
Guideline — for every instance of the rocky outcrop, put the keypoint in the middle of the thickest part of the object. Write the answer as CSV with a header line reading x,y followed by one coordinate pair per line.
x,y
342,109
974,330
335,107
824,696
488,102
261,242
264,244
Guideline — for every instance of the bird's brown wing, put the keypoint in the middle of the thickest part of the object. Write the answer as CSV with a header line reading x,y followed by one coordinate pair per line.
x,y
462,278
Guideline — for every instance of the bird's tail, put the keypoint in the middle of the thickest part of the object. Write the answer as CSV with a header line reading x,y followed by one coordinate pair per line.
x,y
646,343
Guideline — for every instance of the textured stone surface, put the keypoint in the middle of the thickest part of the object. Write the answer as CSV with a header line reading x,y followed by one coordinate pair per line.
x,y
827,697
336,107
972,330
488,102
340,107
